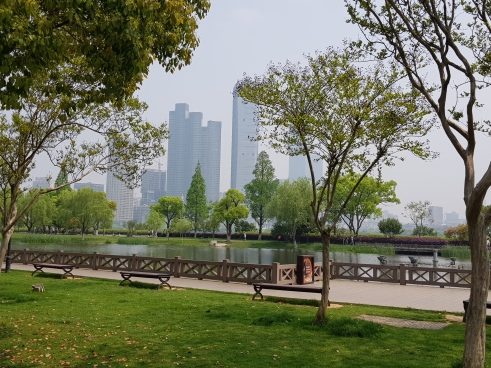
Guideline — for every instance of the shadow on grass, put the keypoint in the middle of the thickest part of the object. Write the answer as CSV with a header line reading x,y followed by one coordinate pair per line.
x,y
142,285
291,301
218,315
270,319
15,298
352,327
6,331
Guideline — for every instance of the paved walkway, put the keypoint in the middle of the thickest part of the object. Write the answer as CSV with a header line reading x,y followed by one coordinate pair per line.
x,y
342,291
406,323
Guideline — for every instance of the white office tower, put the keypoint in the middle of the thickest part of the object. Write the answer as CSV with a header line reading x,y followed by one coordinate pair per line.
x,y
118,192
244,151
436,216
94,186
190,143
153,186
41,183
298,167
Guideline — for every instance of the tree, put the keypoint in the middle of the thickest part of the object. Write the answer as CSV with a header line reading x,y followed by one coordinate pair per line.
x,y
444,48
212,222
459,232
112,43
365,200
45,125
40,214
390,227
131,225
170,208
418,213
424,231
85,209
243,226
155,221
290,206
351,117
196,208
182,226
260,190
230,209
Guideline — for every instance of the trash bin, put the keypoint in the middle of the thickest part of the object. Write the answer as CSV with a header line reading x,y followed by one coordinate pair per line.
x,y
305,270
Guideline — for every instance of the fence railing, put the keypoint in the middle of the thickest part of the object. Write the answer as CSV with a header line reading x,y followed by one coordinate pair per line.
x,y
247,272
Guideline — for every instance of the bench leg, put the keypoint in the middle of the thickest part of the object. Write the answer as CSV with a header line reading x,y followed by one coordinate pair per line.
x,y
125,278
164,282
257,289
37,269
68,272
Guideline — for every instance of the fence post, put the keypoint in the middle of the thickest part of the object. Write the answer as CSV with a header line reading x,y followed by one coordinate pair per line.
x,y
132,263
275,273
175,267
225,270
24,256
402,274
94,261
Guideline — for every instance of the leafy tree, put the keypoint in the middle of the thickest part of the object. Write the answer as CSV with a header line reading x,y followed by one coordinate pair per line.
x,y
43,125
155,221
212,222
349,116
444,48
459,232
40,214
290,206
390,227
260,190
182,226
85,209
243,226
365,199
170,208
230,209
424,231
111,43
418,213
131,225
196,208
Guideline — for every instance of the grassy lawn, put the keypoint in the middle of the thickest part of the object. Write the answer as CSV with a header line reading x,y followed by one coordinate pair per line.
x,y
66,240
96,323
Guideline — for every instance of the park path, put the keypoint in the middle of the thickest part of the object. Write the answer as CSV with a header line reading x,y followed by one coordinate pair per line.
x,y
342,291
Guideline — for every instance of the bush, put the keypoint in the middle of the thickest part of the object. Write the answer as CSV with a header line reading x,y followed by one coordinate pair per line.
x,y
458,233
242,226
350,327
390,227
424,231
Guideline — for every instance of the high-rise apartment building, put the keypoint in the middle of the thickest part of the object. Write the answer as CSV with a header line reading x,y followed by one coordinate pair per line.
x,y
118,192
436,216
95,187
244,150
153,186
298,167
41,182
190,143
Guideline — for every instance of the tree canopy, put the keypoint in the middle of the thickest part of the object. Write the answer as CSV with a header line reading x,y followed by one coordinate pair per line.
x,y
170,208
230,209
111,44
196,207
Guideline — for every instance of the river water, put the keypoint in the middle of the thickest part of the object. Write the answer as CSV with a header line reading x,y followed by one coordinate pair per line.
x,y
285,255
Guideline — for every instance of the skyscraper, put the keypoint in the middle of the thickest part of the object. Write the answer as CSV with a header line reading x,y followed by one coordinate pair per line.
x,y
95,187
436,216
298,167
118,192
244,151
41,182
190,143
153,186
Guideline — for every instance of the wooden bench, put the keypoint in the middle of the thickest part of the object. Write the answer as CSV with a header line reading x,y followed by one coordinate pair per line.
x,y
161,276
67,269
466,305
299,288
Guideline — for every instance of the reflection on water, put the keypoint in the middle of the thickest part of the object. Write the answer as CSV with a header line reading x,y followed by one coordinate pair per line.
x,y
240,255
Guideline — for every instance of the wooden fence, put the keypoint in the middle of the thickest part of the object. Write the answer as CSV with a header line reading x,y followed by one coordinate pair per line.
x,y
247,272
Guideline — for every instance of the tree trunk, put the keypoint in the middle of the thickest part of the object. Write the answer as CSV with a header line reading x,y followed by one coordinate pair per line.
x,y
475,331
6,236
229,232
260,235
326,276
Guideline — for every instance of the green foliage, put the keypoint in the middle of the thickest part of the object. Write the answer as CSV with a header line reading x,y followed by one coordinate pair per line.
x,y
40,211
261,189
290,206
459,232
182,226
365,199
196,208
243,226
155,221
418,212
230,209
424,231
351,327
170,208
390,227
131,226
112,44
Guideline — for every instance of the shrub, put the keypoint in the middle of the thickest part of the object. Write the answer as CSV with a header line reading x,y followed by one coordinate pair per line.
x,y
459,232
350,327
424,231
390,227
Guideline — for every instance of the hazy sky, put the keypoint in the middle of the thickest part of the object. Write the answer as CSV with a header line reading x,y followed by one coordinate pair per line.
x,y
240,37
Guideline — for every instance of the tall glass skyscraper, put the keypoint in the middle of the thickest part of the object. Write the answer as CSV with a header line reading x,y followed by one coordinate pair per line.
x,y
118,192
190,143
244,151
298,167
153,186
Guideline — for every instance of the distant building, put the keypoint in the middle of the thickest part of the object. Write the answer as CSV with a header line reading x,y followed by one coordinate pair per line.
x,y
95,187
140,213
436,216
118,192
153,186
298,167
453,219
41,183
190,143
244,150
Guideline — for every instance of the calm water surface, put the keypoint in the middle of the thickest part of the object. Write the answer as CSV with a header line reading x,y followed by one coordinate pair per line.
x,y
242,255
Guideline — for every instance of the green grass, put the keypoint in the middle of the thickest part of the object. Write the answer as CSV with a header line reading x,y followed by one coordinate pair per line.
x,y
462,252
96,323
